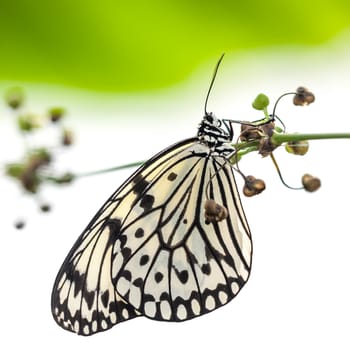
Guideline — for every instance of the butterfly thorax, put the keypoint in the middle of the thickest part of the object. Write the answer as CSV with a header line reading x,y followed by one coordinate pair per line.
x,y
214,136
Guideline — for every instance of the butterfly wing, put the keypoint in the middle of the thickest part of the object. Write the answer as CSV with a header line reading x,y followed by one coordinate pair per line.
x,y
84,299
149,251
168,263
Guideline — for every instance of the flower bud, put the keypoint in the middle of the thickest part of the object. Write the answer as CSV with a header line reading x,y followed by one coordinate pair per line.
x,y
249,132
67,137
27,122
45,207
19,224
56,114
303,97
253,186
261,102
214,212
297,147
14,97
311,183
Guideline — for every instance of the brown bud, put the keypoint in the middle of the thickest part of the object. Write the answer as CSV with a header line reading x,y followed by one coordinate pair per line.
x,y
303,97
56,114
311,183
45,207
253,186
214,212
67,137
30,180
266,146
249,132
14,97
19,224
297,147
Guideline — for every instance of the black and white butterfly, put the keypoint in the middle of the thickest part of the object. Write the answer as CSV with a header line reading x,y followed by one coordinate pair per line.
x,y
150,250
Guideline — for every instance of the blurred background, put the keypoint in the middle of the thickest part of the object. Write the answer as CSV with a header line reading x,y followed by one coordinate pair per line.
x,y
132,79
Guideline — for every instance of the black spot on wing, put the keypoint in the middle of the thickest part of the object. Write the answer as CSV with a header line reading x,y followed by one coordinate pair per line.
x,y
122,239
158,277
206,269
144,260
140,184
105,298
79,280
126,274
139,233
172,176
126,252
89,298
147,202
181,275
114,225
138,282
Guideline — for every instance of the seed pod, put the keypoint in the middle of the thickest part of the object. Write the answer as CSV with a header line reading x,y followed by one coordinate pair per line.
x,y
56,114
67,137
27,122
249,132
214,212
14,97
311,183
30,180
297,147
303,97
45,207
253,186
266,146
19,224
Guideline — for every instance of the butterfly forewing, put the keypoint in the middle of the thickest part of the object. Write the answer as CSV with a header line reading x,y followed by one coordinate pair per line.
x,y
84,299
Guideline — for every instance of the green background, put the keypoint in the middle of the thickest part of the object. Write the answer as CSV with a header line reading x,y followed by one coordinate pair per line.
x,y
123,46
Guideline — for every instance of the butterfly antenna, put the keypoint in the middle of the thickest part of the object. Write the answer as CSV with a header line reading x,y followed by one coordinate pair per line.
x,y
212,83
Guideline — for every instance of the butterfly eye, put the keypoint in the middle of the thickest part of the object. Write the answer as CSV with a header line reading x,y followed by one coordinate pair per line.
x,y
214,212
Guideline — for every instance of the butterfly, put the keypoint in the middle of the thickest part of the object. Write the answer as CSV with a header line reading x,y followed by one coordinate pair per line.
x,y
172,243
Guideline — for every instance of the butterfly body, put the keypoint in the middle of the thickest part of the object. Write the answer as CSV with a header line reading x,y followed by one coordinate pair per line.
x,y
150,249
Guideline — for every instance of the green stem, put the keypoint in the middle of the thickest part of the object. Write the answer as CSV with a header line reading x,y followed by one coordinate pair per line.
x,y
69,177
278,139
242,148
108,170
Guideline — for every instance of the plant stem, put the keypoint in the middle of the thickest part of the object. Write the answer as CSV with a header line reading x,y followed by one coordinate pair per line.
x,y
242,149
278,139
108,170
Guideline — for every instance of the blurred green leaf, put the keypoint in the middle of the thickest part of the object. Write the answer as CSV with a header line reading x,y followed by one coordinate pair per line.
x,y
139,45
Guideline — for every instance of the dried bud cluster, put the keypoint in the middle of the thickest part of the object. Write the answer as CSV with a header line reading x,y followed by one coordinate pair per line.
x,y
35,167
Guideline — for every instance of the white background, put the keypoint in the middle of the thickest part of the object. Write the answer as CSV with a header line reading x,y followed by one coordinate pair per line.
x,y
298,293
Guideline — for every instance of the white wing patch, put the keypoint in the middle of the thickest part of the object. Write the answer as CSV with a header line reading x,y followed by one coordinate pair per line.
x,y
148,251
